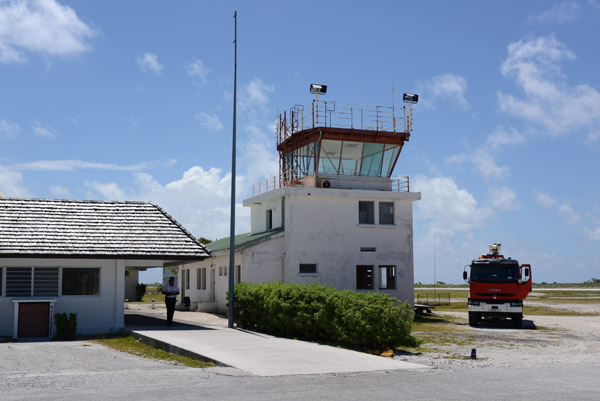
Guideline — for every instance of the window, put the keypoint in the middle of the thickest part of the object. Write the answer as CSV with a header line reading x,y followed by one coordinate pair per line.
x,y
31,281
201,279
368,249
0,281
80,281
220,270
269,219
225,268
307,268
364,277
386,212
238,274
187,279
387,277
366,214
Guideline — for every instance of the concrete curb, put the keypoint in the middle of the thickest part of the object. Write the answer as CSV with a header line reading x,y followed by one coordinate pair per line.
x,y
172,348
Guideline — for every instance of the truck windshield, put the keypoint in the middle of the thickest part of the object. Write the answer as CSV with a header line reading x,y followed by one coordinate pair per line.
x,y
495,273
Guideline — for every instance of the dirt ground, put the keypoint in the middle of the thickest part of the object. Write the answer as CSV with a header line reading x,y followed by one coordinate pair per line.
x,y
544,340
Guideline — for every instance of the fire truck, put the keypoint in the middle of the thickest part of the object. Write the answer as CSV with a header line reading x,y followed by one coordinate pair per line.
x,y
497,287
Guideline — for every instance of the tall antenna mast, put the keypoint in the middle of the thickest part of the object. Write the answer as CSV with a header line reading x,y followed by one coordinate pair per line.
x,y
232,220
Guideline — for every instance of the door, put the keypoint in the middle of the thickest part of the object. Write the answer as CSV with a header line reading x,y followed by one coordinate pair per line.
x,y
34,319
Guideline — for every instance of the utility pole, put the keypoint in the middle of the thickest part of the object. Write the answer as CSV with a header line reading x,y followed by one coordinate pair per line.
x,y
233,151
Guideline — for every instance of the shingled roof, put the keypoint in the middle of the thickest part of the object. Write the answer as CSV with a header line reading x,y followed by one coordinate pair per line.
x,y
69,228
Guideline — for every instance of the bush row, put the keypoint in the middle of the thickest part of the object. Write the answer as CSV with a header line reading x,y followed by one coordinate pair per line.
x,y
373,321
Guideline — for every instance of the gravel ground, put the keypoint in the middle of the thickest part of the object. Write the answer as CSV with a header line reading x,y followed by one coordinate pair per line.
x,y
544,341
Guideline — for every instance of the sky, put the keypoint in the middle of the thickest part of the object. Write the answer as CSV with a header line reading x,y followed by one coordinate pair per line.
x,y
114,100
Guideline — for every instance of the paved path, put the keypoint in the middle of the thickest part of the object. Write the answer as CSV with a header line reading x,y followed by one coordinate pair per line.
x,y
207,336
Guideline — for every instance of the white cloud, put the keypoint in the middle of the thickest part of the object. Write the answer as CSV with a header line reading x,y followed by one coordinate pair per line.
x,y
9,130
549,101
563,209
593,235
41,26
503,198
484,157
545,200
559,13
199,200
504,137
568,213
149,63
197,70
255,94
449,87
451,209
60,192
11,183
70,165
40,130
209,121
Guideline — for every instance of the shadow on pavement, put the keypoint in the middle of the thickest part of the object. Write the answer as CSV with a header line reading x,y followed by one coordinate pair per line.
x,y
139,321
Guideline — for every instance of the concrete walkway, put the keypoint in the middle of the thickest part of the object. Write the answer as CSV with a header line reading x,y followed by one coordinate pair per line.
x,y
207,336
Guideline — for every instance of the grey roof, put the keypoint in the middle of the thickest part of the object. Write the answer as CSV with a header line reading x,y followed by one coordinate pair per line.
x,y
69,228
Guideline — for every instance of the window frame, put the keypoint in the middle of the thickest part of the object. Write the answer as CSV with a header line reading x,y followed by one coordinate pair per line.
x,y
315,271
390,277
392,205
364,220
97,281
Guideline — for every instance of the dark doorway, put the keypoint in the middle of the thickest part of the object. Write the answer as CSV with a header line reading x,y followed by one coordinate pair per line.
x,y
34,319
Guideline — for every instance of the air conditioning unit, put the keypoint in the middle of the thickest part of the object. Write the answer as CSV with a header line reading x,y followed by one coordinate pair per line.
x,y
325,184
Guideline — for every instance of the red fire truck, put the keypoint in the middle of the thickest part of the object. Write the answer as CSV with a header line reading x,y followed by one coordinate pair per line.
x,y
497,287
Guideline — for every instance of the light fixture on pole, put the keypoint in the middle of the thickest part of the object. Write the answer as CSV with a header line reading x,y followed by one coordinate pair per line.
x,y
318,90
410,98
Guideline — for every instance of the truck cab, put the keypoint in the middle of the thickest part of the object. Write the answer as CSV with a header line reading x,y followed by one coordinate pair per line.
x,y
497,287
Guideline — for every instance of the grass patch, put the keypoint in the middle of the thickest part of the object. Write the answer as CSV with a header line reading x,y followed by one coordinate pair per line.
x,y
133,346
536,310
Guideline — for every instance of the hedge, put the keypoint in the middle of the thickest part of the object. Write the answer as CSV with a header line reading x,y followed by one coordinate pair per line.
x,y
372,321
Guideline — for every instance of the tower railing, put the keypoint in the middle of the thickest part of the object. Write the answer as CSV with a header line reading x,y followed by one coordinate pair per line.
x,y
399,184
343,115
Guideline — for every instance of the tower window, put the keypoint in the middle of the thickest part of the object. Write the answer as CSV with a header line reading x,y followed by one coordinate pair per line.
x,y
386,212
366,212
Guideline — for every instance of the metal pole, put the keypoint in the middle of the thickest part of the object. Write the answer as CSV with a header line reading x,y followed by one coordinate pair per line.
x,y
232,220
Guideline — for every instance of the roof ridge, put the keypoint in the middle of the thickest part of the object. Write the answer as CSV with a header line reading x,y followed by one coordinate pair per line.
x,y
182,228
74,200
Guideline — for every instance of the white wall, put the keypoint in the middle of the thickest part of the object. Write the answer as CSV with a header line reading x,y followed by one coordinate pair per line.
x,y
321,226
95,313
262,262
258,215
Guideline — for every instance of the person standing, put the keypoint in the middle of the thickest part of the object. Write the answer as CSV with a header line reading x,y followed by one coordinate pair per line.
x,y
171,291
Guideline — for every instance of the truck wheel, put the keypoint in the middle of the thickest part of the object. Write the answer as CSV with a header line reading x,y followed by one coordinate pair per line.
x,y
473,320
518,322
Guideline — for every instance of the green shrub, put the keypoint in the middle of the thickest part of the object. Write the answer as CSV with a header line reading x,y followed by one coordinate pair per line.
x,y
66,326
140,291
373,321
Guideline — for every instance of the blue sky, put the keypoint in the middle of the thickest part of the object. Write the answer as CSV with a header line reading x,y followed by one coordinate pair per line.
x,y
133,101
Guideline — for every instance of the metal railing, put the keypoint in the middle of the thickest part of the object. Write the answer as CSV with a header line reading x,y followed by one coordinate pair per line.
x,y
399,184
344,115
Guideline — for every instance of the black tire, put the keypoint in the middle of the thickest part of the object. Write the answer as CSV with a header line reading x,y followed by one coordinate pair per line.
x,y
473,320
517,322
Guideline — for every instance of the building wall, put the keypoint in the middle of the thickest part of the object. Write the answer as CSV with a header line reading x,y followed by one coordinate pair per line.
x,y
95,313
258,263
322,228
258,214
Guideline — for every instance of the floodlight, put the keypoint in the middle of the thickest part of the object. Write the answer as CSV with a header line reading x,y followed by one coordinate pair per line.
x,y
410,98
495,249
318,89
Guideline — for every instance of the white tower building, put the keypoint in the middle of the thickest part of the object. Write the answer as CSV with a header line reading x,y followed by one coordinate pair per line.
x,y
334,216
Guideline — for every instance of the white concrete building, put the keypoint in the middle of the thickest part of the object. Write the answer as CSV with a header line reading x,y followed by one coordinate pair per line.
x,y
346,223
60,256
